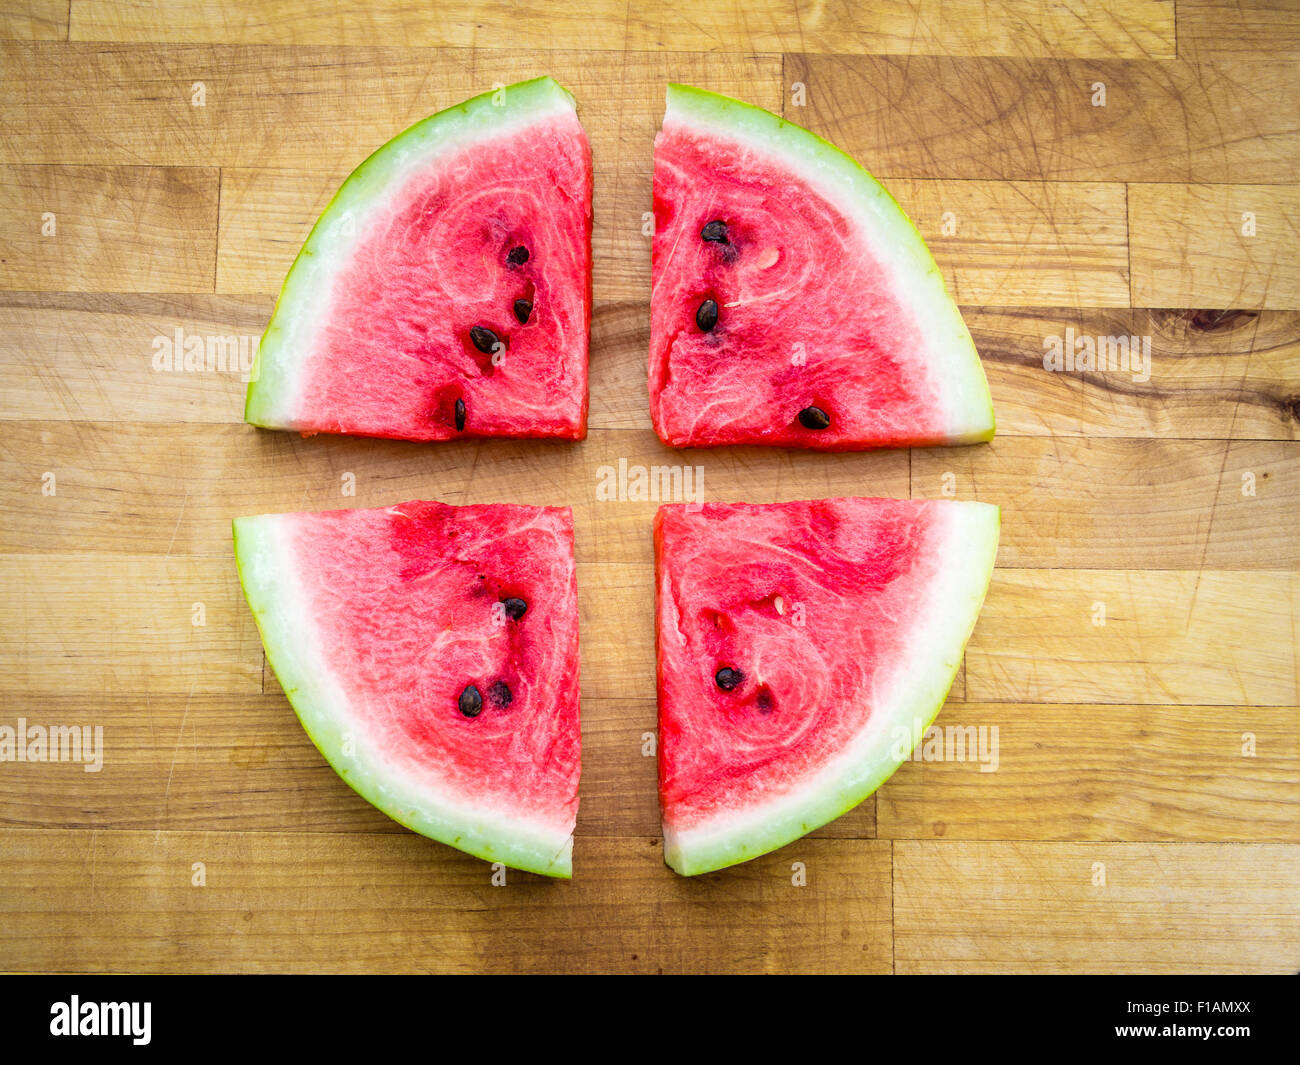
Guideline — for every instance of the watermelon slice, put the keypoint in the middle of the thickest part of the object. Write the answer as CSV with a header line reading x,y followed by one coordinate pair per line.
x,y
446,290
794,303
797,642
431,653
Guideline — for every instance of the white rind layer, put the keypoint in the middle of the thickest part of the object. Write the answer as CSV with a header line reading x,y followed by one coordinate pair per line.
x,y
917,689
958,375
268,571
276,387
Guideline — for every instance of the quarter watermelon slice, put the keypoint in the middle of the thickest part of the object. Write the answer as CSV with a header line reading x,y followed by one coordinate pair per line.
x,y
794,303
431,653
801,648
446,289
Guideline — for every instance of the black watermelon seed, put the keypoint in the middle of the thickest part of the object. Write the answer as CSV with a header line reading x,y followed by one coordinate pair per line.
x,y
707,316
515,607
460,415
518,256
484,339
727,678
764,699
523,308
470,702
814,418
715,232
501,695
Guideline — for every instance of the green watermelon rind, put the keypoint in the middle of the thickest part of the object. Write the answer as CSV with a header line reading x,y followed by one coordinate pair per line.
x,y
271,388
872,759
270,591
848,185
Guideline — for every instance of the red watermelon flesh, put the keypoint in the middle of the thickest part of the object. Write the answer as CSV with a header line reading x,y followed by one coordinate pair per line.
x,y
380,622
793,302
794,641
446,291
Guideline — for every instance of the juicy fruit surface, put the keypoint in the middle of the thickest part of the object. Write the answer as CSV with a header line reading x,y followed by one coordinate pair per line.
x,y
813,345
784,634
842,572
463,308
416,604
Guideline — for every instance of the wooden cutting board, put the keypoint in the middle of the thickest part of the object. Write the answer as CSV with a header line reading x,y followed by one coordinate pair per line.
x,y
1125,169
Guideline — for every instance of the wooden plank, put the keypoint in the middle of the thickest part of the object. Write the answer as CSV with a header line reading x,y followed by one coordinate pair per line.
x,y
173,760
537,25
1251,29
1024,243
1083,503
50,647
266,216
321,108
1125,28
1119,742
617,384
34,20
1213,375
1215,245
1137,29
108,228
305,902
1124,773
179,762
1209,638
1033,119
158,488
1037,907
105,624
103,358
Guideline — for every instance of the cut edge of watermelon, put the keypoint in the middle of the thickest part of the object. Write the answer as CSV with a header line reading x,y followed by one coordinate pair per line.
x,y
275,382
275,598
871,758
966,399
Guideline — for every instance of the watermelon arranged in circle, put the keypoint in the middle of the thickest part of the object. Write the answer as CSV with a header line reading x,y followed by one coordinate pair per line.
x,y
431,653
446,289
794,304
802,648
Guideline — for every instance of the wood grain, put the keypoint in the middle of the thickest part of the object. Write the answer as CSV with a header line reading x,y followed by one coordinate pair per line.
x,y
85,103
108,228
1209,29
1163,743
1097,503
1172,636
34,20
1190,248
1214,375
174,489
1102,773
1070,502
1034,907
1127,28
295,902
533,25
90,358
1124,28
104,623
1033,119
1023,243
194,762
